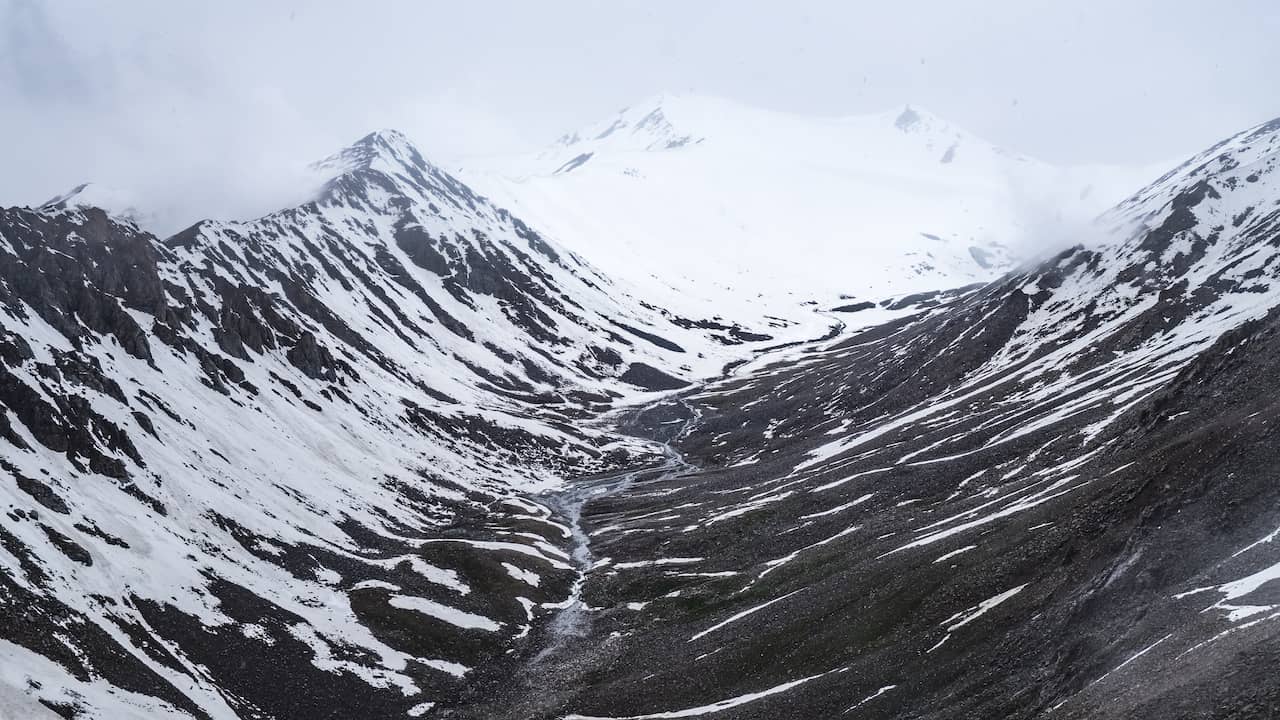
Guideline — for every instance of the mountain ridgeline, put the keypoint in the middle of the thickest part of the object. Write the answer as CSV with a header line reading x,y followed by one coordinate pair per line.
x,y
264,468
714,197
396,452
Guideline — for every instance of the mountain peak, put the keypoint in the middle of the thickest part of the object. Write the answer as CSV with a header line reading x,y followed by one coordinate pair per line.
x,y
388,147
669,121
907,120
646,125
912,119
386,138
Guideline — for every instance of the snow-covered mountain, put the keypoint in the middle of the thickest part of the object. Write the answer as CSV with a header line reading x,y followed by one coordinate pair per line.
x,y
706,194
263,460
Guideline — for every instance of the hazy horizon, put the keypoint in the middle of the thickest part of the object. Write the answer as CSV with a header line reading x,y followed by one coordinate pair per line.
x,y
229,102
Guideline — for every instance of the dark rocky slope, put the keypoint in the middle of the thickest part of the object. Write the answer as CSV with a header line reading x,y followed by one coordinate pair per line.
x,y
1051,497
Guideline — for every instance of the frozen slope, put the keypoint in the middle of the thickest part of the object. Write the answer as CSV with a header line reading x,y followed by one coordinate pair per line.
x,y
706,196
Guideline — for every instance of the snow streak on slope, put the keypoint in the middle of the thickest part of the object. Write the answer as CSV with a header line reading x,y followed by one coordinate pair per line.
x,y
267,467
708,196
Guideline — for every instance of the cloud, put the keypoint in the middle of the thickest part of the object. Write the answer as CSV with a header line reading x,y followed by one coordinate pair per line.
x,y
205,114
215,107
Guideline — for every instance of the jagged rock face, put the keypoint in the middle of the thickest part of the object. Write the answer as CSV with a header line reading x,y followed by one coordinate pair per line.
x,y
1052,496
456,266
80,279
275,468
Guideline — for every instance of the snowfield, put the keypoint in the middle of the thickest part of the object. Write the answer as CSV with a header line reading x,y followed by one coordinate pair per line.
x,y
706,198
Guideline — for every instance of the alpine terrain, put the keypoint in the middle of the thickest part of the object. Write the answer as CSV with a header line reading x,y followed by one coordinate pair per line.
x,y
706,412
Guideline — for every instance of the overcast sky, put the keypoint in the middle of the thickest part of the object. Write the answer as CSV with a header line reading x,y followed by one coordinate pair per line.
x,y
224,99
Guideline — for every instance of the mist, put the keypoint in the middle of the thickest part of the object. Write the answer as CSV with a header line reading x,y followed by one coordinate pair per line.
x,y
217,109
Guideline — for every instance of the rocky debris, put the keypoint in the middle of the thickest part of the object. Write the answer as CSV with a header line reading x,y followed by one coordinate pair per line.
x,y
650,378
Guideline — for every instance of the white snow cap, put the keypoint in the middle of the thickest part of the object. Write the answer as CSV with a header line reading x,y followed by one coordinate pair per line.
x,y
709,193
118,203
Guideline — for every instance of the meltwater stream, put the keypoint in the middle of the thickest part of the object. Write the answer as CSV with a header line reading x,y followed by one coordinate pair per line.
x,y
566,654
573,618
